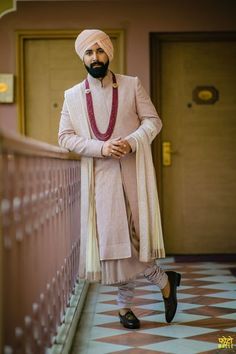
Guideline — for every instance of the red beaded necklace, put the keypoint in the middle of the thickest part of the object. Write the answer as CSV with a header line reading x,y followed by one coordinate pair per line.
x,y
89,100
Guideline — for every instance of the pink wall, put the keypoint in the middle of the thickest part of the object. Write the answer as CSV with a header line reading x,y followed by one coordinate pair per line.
x,y
138,18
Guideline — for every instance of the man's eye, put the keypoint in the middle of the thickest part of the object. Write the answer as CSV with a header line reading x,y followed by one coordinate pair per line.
x,y
100,50
88,52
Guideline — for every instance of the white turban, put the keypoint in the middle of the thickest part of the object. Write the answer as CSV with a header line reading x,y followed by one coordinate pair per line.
x,y
88,38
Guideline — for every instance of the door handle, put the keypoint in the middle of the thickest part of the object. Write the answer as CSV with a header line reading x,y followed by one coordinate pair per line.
x,y
166,153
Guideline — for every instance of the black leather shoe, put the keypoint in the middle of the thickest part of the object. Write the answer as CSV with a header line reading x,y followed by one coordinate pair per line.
x,y
129,320
171,302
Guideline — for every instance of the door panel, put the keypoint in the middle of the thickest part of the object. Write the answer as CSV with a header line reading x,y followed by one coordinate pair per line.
x,y
199,187
50,67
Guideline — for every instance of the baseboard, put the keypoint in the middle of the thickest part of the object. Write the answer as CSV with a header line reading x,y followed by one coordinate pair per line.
x,y
66,332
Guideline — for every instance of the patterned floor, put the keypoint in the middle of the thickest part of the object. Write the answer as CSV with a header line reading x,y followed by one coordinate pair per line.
x,y
206,317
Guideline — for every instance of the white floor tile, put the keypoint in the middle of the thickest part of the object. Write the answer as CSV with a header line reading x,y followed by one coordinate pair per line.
x,y
185,296
181,346
105,307
104,348
154,297
101,332
187,306
150,287
220,286
225,294
213,272
233,329
178,331
101,319
105,297
156,318
230,304
155,306
170,267
212,265
230,316
181,317
218,279
184,287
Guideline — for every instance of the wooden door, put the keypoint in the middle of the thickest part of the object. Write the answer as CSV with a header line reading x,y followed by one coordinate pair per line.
x,y
50,66
198,108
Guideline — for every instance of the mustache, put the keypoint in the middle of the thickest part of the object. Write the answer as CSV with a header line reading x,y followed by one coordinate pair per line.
x,y
96,63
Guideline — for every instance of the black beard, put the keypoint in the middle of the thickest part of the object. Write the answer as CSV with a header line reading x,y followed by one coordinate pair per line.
x,y
99,71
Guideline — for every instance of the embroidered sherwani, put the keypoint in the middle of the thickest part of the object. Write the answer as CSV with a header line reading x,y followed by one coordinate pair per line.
x,y
115,182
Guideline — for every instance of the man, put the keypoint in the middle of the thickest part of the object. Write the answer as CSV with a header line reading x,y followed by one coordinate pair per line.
x,y
110,121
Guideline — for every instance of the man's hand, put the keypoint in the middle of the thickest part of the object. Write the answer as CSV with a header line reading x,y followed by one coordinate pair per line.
x,y
116,148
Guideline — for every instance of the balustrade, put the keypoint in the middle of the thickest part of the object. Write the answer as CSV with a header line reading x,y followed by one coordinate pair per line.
x,y
40,227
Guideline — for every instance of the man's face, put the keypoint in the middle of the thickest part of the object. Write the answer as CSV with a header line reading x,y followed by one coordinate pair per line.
x,y
96,61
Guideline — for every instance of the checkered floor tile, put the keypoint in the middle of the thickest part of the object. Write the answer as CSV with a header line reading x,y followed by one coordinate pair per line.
x,y
205,317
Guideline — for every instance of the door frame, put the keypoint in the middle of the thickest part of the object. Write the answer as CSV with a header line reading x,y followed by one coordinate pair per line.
x,y
23,35
156,39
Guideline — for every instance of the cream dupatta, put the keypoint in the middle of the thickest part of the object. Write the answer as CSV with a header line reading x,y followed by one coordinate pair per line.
x,y
150,229
89,263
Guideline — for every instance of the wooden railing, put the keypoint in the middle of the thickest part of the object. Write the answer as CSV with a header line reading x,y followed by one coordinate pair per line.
x,y
39,250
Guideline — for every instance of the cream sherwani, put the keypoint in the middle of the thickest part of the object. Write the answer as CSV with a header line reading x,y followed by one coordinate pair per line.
x,y
115,182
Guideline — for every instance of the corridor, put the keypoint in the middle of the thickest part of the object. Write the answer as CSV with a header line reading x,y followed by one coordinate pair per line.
x,y
205,321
